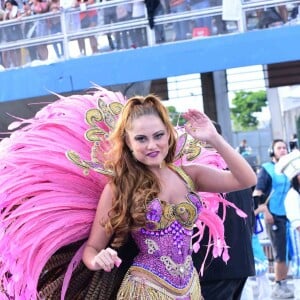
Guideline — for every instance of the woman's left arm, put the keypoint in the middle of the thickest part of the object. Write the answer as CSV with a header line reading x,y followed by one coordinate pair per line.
x,y
240,174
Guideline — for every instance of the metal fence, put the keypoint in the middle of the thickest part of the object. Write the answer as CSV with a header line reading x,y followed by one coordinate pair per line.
x,y
58,35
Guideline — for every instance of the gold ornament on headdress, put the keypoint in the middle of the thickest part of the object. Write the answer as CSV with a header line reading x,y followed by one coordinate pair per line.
x,y
193,149
105,115
188,147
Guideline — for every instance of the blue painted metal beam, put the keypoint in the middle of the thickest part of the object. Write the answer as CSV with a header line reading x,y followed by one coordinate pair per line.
x,y
274,45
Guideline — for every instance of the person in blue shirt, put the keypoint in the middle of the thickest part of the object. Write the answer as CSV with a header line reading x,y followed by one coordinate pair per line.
x,y
270,191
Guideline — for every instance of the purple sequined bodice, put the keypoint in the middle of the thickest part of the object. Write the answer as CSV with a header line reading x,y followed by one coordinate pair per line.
x,y
165,244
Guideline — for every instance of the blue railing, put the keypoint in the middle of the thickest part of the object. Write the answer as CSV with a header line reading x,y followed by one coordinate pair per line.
x,y
47,37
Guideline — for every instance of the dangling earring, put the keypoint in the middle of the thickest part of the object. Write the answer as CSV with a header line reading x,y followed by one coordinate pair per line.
x,y
162,164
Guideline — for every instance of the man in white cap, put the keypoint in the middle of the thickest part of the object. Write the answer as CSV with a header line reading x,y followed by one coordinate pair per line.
x,y
290,166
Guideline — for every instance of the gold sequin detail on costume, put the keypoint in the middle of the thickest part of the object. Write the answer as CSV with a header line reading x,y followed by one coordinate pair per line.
x,y
181,270
184,213
161,214
137,288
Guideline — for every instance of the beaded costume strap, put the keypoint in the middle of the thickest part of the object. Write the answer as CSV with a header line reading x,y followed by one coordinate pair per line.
x,y
187,179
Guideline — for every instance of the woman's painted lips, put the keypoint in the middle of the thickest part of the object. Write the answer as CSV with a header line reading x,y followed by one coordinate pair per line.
x,y
153,154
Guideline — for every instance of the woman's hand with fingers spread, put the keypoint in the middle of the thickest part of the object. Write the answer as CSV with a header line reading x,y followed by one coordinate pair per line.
x,y
199,126
106,259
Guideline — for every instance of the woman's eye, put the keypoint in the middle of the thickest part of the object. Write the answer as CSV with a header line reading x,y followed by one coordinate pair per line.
x,y
140,139
159,136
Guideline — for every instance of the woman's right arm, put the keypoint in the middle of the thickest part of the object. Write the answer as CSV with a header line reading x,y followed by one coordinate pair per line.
x,y
96,255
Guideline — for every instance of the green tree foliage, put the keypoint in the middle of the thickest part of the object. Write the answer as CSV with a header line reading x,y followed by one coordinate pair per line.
x,y
245,105
175,116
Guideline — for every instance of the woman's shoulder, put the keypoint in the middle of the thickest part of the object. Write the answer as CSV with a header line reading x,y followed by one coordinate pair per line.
x,y
193,170
107,192
108,188
190,173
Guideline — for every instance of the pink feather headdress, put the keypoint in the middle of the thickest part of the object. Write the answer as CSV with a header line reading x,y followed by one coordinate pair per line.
x,y
48,203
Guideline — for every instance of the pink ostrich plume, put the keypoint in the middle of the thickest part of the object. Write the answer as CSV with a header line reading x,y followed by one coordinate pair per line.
x,y
47,202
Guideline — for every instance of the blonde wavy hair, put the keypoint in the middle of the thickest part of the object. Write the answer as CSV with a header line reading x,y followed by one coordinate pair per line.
x,y
133,184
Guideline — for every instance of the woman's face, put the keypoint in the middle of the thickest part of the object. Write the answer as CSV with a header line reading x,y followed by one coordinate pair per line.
x,y
8,6
148,140
280,150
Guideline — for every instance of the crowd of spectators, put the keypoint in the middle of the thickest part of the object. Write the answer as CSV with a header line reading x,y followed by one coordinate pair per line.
x,y
83,17
23,29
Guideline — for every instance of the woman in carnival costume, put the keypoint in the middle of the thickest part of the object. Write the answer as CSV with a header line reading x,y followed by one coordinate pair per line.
x,y
148,182
290,166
